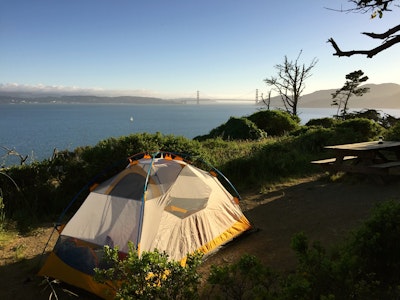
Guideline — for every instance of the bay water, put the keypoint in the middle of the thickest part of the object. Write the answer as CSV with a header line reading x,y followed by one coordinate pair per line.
x,y
37,129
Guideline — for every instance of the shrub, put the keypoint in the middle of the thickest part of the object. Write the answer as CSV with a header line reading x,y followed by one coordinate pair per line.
x,y
150,276
386,120
323,122
235,129
314,139
314,277
373,251
365,266
273,161
275,122
357,130
393,133
219,152
245,279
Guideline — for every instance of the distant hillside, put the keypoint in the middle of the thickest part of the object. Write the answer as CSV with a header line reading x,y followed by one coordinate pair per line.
x,y
7,98
386,95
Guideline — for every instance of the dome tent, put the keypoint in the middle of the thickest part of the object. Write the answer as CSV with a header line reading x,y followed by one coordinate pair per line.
x,y
158,201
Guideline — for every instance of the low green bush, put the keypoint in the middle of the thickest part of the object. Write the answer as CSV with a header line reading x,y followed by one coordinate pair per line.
x,y
393,133
272,162
314,139
235,129
246,278
357,130
373,252
149,276
365,266
382,119
275,122
323,122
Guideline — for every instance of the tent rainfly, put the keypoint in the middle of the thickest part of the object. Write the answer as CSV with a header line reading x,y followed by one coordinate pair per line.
x,y
158,201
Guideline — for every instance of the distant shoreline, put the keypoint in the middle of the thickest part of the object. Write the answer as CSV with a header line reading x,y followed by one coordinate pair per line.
x,y
301,105
380,96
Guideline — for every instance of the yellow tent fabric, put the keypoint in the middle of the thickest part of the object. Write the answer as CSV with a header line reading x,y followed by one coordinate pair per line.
x,y
157,203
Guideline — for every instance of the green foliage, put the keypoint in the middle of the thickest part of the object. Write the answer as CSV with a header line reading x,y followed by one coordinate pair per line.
x,y
2,213
374,250
48,186
235,129
273,161
357,130
108,151
314,277
365,266
275,122
247,278
393,134
323,122
384,120
2,205
314,139
219,152
150,276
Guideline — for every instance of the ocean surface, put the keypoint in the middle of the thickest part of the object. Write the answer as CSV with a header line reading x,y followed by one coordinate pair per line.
x,y
37,129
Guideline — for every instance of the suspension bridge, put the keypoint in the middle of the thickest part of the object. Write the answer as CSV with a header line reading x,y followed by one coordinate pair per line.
x,y
202,97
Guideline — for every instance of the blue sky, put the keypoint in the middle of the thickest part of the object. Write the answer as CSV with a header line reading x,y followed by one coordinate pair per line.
x,y
222,48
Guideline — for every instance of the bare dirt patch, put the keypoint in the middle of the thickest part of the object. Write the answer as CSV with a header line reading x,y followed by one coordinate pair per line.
x,y
326,211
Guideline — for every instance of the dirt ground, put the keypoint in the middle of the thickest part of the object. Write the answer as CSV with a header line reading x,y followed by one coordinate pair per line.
x,y
325,210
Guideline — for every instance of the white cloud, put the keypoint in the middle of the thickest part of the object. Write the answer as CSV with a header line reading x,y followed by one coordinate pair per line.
x,y
72,90
58,90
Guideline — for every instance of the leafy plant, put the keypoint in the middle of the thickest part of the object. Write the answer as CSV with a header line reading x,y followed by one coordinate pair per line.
x,y
246,278
365,266
374,251
2,213
357,130
314,277
150,275
235,129
393,134
323,122
275,122
2,204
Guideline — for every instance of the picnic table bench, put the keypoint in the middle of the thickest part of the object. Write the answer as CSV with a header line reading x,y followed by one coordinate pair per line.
x,y
376,158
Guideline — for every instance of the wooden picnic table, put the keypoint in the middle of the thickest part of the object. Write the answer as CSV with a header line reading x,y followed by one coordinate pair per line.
x,y
377,157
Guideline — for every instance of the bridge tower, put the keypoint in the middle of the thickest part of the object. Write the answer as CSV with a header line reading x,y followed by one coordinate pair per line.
x,y
256,96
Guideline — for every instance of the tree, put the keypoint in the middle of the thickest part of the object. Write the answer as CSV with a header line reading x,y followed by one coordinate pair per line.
x,y
290,81
342,96
376,7
267,101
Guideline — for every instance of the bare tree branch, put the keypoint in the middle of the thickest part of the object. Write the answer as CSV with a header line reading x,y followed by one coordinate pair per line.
x,y
371,5
377,7
384,35
369,53
13,152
